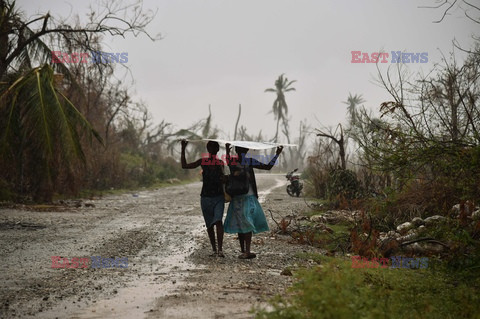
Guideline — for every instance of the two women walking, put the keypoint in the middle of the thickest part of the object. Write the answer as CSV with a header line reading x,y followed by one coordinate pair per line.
x,y
245,216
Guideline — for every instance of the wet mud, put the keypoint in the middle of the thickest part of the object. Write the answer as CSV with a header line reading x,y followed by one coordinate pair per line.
x,y
170,273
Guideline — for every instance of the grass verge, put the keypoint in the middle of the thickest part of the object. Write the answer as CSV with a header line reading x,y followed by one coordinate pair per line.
x,y
336,290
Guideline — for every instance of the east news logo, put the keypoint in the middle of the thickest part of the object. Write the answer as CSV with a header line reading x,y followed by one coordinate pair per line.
x,y
95,261
87,57
397,262
396,57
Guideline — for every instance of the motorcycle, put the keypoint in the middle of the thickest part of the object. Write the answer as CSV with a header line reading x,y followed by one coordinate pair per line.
x,y
295,186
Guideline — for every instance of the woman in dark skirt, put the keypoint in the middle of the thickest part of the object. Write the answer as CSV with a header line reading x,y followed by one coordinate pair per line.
x,y
212,198
245,216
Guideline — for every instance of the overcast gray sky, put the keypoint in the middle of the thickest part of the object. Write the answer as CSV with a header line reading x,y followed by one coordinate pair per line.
x,y
224,53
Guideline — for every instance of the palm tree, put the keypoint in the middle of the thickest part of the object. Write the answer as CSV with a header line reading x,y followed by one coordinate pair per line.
x,y
280,107
353,102
40,130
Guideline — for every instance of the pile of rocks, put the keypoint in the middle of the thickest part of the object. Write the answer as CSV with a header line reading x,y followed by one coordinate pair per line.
x,y
468,209
414,229
410,236
336,216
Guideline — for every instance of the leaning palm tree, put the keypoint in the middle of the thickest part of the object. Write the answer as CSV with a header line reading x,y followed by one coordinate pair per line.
x,y
280,107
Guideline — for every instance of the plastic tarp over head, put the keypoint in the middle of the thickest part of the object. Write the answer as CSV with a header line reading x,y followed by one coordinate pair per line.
x,y
252,145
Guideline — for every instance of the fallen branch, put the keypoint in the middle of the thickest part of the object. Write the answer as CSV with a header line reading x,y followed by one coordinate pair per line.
x,y
427,239
310,205
271,215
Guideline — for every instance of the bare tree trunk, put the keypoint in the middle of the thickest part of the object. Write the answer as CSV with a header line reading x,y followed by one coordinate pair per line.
x,y
293,161
340,142
341,145
238,119
4,28
276,133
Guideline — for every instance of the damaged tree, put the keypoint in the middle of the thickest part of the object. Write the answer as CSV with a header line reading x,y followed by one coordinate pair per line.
x,y
41,129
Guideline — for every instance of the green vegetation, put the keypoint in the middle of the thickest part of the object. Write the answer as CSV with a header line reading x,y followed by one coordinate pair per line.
x,y
336,290
419,158
70,127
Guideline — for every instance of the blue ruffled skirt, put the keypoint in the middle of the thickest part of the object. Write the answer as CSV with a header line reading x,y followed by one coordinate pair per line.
x,y
245,215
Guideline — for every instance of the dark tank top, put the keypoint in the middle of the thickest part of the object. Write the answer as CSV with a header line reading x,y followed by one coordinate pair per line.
x,y
212,180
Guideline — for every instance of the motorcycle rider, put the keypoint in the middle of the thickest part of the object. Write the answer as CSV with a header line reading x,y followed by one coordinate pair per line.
x,y
295,186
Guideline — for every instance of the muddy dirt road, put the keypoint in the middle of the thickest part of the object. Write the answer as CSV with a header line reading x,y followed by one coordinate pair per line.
x,y
169,274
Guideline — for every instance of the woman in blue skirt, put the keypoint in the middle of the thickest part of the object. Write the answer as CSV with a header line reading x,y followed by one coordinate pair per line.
x,y
245,216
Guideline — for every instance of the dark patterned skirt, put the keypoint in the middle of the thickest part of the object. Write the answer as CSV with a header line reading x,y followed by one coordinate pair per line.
x,y
212,209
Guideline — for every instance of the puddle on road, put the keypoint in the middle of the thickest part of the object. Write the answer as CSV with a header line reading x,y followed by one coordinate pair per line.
x,y
160,277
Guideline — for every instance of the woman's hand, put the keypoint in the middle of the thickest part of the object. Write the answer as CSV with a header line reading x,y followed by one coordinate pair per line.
x,y
184,143
279,150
